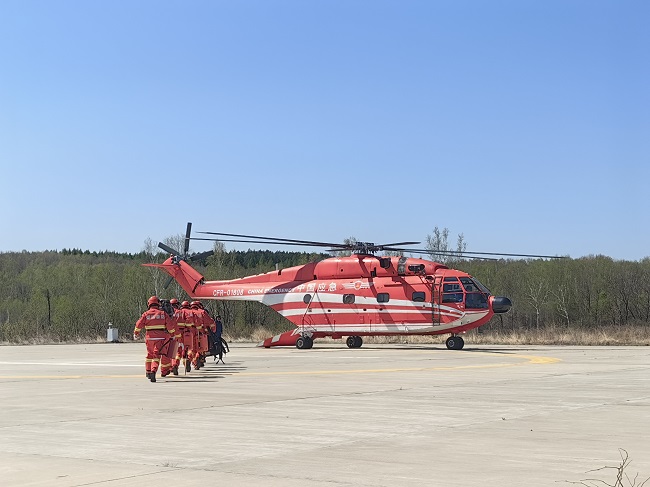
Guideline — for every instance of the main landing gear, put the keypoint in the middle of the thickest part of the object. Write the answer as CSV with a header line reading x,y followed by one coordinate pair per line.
x,y
455,343
354,342
304,342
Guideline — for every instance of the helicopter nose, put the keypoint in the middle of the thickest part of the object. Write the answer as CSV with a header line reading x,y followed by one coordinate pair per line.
x,y
501,304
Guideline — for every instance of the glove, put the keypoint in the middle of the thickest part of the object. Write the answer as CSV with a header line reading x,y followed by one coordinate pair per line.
x,y
135,337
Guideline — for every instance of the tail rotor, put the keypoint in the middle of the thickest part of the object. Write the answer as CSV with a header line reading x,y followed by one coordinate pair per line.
x,y
177,256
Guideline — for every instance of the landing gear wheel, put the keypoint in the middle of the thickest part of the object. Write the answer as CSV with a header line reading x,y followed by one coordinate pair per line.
x,y
354,342
304,342
455,343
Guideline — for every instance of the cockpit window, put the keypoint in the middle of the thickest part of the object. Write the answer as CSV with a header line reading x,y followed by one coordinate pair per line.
x,y
452,298
481,287
451,279
451,288
473,285
469,286
476,301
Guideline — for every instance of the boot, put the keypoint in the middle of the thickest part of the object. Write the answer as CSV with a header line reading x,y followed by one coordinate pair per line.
x,y
175,370
152,377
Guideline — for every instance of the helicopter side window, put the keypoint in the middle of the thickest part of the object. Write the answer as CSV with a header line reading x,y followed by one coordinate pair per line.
x,y
383,297
306,298
418,297
451,279
452,298
348,298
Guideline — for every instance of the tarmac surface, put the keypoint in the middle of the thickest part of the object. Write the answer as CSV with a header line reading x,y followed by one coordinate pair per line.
x,y
382,415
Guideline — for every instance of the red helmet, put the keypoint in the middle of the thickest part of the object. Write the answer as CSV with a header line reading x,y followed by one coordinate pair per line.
x,y
199,303
194,304
153,301
173,301
185,304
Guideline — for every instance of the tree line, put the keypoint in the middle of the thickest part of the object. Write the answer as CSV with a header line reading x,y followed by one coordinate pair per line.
x,y
72,295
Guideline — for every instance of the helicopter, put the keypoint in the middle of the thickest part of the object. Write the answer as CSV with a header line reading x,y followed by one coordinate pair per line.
x,y
352,296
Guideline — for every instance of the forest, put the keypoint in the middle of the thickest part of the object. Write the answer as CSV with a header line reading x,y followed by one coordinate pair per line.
x,y
72,295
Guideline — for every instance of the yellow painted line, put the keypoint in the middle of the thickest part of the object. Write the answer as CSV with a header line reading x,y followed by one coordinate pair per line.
x,y
70,376
528,360
532,359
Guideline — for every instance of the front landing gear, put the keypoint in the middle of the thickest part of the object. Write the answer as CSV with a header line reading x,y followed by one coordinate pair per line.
x,y
354,342
304,342
455,343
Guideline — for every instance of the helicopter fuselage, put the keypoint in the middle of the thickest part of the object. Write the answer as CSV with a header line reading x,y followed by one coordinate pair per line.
x,y
357,295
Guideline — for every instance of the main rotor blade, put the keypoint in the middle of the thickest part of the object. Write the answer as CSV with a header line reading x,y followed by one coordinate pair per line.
x,y
187,239
304,242
201,256
167,248
395,249
381,246
169,281
264,242
454,252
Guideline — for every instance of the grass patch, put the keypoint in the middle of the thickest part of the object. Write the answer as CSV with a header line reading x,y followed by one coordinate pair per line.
x,y
628,335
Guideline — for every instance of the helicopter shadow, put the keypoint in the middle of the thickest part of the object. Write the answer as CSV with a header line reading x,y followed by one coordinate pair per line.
x,y
209,372
443,348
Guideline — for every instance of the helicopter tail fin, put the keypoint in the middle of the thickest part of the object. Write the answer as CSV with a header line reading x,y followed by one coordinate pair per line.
x,y
186,276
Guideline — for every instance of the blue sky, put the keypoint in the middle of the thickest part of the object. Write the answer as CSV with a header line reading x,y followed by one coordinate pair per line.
x,y
522,124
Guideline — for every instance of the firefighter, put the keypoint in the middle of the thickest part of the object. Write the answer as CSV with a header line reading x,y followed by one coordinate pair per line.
x,y
203,322
218,328
159,329
220,345
179,349
186,322
168,363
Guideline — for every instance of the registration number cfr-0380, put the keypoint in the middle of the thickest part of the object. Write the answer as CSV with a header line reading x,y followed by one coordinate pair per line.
x,y
227,292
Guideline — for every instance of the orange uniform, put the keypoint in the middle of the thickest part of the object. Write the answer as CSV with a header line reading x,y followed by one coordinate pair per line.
x,y
159,330
178,343
168,351
186,323
203,322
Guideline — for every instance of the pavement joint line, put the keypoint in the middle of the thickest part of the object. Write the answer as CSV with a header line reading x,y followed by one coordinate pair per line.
x,y
213,406
118,479
303,398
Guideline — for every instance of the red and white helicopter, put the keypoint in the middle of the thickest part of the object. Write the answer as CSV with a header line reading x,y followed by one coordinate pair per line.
x,y
352,296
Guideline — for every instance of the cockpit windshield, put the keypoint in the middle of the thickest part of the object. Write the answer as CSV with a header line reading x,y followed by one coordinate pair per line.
x,y
473,285
476,293
481,287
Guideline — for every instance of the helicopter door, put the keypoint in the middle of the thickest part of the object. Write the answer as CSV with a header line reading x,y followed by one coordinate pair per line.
x,y
436,299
